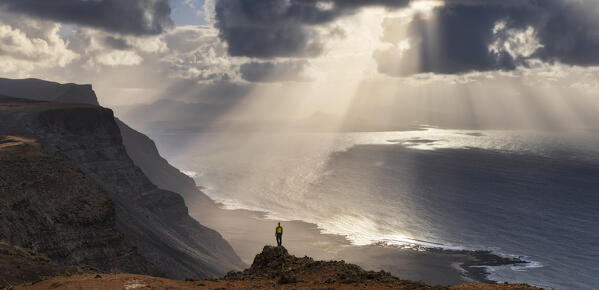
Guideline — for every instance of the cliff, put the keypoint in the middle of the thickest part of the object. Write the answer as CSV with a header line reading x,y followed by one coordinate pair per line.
x,y
49,206
145,155
273,268
48,91
140,148
156,221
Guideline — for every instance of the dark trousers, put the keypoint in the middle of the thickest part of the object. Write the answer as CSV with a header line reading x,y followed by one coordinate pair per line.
x,y
279,239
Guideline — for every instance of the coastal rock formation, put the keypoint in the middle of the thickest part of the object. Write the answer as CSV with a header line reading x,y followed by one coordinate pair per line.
x,y
145,155
51,207
140,148
156,221
273,268
276,263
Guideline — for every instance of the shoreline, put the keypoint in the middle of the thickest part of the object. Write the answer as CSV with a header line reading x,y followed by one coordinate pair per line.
x,y
248,231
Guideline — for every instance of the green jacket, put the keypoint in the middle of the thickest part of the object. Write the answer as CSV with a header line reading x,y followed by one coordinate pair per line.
x,y
279,230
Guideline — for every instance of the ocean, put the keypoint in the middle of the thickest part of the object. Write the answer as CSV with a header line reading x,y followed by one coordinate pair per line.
x,y
521,194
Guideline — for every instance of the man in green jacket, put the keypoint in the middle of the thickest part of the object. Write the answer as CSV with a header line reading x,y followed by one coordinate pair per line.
x,y
279,234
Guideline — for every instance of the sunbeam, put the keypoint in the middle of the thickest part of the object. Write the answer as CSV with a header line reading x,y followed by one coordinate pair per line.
x,y
441,140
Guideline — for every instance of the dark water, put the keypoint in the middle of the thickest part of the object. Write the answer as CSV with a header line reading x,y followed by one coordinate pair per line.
x,y
531,196
543,208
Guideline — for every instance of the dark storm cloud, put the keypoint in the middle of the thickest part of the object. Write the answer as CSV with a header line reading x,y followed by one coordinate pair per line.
x,y
566,29
273,71
117,43
276,28
458,42
137,17
463,32
569,32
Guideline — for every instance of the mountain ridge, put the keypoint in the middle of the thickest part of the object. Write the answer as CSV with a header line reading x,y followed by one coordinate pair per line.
x,y
71,218
48,91
89,136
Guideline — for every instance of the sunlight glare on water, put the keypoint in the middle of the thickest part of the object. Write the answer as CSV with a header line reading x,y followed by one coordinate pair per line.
x,y
456,189
288,176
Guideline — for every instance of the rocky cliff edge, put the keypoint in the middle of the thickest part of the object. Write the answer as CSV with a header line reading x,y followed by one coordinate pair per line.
x,y
273,268
153,220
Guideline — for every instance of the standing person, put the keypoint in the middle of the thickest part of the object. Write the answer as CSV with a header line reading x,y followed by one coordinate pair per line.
x,y
279,234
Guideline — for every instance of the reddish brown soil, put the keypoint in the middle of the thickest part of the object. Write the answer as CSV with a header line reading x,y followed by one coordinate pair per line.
x,y
130,281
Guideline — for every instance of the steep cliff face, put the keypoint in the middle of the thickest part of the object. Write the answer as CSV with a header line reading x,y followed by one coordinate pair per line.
x,y
156,221
49,205
48,91
145,155
140,148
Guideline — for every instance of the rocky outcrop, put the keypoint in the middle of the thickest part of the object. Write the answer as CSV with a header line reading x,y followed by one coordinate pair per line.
x,y
273,268
156,221
49,205
48,91
277,263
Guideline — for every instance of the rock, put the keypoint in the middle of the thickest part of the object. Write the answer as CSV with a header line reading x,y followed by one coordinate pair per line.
x,y
59,211
153,220
277,263
19,265
287,279
145,155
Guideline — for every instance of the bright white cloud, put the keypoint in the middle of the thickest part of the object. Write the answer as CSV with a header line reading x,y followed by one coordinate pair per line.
x,y
208,11
197,52
117,57
21,53
149,44
518,43
325,5
425,6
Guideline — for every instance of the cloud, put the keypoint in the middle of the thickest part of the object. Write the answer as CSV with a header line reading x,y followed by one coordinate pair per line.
x,y
268,28
275,28
17,44
185,39
118,57
518,43
568,31
459,37
274,71
464,36
32,46
116,42
100,48
197,53
139,17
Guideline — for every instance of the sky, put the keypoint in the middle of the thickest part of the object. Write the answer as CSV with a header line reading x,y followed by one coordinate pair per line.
x,y
167,65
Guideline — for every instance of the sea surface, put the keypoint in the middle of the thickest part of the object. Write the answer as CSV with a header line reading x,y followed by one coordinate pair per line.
x,y
523,194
